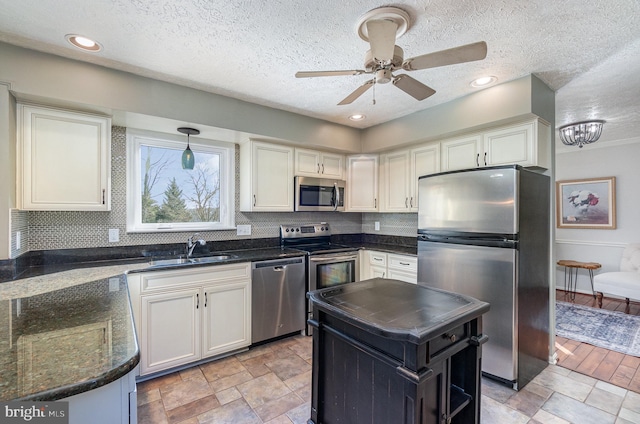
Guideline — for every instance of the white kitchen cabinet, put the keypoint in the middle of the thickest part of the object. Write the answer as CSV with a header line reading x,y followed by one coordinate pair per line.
x,y
389,265
395,181
362,183
187,314
169,330
266,177
226,308
425,160
402,267
462,152
399,173
526,144
63,160
313,163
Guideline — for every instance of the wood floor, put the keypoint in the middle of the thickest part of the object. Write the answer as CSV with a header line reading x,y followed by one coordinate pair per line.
x,y
613,367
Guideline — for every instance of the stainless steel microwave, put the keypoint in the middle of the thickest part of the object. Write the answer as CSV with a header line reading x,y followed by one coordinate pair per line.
x,y
319,194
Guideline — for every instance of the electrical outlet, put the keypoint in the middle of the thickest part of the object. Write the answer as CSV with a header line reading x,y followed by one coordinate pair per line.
x,y
18,240
376,225
243,230
114,235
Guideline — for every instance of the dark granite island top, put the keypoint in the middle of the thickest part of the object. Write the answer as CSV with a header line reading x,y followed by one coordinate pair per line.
x,y
69,334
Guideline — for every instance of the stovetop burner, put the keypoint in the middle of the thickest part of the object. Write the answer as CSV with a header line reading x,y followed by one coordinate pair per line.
x,y
314,239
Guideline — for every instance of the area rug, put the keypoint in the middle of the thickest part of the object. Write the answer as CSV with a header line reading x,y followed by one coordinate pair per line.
x,y
599,327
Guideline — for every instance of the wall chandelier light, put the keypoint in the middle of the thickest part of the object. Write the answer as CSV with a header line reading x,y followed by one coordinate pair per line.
x,y
581,133
188,159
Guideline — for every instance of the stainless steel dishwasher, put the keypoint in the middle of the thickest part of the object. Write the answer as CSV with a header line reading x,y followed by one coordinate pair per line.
x,y
278,290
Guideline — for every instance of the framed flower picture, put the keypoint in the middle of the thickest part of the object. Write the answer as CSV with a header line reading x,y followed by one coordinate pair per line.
x,y
588,203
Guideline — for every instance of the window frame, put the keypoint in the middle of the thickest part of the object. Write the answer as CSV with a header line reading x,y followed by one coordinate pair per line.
x,y
226,151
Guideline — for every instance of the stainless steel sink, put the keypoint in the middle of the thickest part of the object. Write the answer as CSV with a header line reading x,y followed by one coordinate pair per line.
x,y
185,261
214,258
172,261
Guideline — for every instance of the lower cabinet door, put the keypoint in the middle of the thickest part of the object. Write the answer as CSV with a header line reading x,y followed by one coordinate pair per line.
x,y
227,317
170,329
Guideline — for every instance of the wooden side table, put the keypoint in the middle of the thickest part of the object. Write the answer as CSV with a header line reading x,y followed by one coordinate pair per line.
x,y
571,277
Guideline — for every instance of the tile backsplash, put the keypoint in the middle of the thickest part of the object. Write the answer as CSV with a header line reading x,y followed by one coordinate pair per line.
x,y
48,230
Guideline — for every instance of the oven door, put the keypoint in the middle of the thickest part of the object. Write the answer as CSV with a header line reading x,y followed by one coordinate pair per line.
x,y
331,269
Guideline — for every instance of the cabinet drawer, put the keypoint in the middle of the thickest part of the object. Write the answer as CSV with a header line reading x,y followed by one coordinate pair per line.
x,y
160,280
406,263
378,259
448,339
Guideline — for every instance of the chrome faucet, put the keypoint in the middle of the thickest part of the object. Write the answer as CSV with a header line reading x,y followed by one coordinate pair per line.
x,y
191,244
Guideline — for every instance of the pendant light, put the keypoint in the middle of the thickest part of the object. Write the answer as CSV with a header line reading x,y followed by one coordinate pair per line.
x,y
188,160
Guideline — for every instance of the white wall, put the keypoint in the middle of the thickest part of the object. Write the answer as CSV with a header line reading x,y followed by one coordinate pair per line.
x,y
612,159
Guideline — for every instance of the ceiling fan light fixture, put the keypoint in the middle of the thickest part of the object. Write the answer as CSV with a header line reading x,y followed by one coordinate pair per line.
x,y
188,159
581,133
83,43
357,117
483,81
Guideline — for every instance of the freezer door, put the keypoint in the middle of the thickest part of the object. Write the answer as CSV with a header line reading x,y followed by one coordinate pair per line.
x,y
487,274
471,201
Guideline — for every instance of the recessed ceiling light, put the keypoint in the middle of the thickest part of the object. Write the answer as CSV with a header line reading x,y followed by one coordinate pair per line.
x,y
83,43
484,81
357,117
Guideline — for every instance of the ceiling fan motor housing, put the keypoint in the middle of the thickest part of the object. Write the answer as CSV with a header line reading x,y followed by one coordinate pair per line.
x,y
372,65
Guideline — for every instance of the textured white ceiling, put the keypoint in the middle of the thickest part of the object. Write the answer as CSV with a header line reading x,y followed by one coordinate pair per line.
x,y
250,49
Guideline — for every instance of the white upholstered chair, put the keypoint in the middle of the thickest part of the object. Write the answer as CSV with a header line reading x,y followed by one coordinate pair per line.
x,y
624,283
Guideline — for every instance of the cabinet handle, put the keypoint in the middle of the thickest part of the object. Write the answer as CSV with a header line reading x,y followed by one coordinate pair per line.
x,y
323,168
197,300
205,299
104,336
411,201
485,158
406,202
405,263
377,259
384,274
478,159
103,194
375,203
318,169
254,200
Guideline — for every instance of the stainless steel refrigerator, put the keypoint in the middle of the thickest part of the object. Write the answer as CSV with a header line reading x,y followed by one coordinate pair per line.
x,y
485,233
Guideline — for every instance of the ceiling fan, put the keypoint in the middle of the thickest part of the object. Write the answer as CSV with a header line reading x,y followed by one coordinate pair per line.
x,y
380,27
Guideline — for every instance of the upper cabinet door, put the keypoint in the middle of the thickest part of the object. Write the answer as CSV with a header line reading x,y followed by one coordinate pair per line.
x,y
524,144
307,163
424,161
332,166
312,163
63,160
362,183
266,177
395,185
462,153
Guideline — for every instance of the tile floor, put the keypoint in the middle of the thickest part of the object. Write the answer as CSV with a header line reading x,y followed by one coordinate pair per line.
x,y
271,384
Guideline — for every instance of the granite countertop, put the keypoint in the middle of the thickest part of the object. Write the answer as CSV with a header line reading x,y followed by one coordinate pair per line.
x,y
68,328
388,248
58,342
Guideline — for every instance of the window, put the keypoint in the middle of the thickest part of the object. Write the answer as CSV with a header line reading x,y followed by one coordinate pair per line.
x,y
161,196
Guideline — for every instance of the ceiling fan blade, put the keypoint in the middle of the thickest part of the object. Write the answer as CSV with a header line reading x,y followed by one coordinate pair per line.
x,y
311,74
382,37
413,87
466,53
357,93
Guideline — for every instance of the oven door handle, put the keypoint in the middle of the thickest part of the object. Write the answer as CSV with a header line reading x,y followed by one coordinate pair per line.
x,y
332,258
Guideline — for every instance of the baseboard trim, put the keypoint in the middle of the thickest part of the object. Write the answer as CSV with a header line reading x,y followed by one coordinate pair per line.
x,y
591,243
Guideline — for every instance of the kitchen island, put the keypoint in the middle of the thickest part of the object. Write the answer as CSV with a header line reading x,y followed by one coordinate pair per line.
x,y
388,351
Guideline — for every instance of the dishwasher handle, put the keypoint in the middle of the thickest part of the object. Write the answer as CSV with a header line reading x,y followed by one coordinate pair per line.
x,y
332,258
278,264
